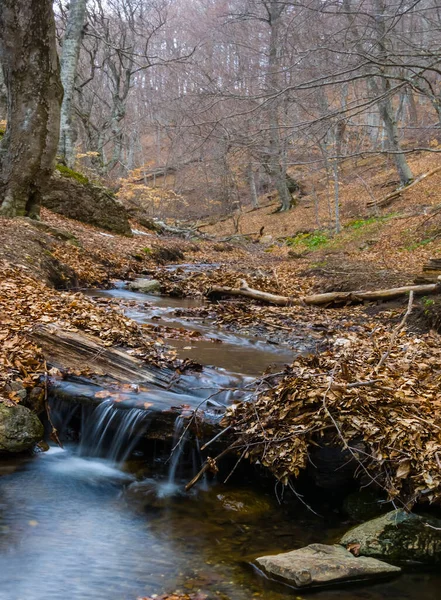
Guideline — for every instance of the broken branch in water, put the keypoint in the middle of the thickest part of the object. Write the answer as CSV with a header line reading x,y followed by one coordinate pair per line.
x,y
327,299
209,465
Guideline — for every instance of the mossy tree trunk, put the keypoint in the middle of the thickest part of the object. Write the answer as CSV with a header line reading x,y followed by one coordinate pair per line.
x,y
32,76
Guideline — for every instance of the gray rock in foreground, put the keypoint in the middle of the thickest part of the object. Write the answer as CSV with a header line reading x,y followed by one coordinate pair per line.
x,y
20,428
319,565
398,536
145,286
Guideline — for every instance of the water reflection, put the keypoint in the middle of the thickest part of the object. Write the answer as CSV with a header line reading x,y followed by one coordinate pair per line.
x,y
72,527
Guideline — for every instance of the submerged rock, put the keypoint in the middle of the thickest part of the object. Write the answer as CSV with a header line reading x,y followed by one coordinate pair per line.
x,y
145,286
398,536
20,429
320,565
241,504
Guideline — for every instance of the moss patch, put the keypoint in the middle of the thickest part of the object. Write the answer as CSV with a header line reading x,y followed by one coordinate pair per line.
x,y
66,172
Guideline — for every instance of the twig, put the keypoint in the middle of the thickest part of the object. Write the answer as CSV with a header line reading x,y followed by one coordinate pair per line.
x,y
300,497
217,436
209,465
237,464
396,332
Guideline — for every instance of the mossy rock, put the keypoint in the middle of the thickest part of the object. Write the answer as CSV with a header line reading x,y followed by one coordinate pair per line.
x,y
20,429
72,195
67,172
398,536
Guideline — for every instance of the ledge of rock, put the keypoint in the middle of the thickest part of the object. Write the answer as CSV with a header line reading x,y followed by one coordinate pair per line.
x,y
319,565
20,429
398,536
80,200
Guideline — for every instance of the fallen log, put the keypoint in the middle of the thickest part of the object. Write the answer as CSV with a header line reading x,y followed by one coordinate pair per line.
x,y
327,299
80,352
397,193
433,264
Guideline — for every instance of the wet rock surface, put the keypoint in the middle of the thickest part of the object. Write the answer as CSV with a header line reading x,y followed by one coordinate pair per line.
x,y
398,536
319,565
145,286
20,429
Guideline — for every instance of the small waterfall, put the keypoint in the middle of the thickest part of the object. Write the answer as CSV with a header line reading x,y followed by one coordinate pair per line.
x,y
177,449
111,432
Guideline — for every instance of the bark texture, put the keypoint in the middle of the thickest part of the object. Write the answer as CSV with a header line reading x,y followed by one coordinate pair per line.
x,y
34,93
69,61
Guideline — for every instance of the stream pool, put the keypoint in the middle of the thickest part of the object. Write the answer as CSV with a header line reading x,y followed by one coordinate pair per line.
x,y
79,527
71,527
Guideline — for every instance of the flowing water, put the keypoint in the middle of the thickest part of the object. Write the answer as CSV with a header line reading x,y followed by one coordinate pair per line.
x,y
238,353
83,523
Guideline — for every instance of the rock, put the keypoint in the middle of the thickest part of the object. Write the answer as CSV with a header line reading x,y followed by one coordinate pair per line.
x,y
88,203
398,536
58,234
266,239
318,565
165,254
145,286
242,505
20,429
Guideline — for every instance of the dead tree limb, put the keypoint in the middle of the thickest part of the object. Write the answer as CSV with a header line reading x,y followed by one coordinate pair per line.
x,y
328,299
397,193
79,351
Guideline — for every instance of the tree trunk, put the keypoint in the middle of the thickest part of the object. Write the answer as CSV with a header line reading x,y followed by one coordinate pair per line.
x,y
69,61
380,89
252,184
276,168
390,125
3,96
385,105
34,92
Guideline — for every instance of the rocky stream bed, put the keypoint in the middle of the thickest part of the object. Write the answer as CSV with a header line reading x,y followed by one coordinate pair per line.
x,y
107,516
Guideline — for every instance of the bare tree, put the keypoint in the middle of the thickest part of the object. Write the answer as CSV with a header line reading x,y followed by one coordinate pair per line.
x,y
69,61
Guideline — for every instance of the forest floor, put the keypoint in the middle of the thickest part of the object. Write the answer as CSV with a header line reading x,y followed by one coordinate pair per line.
x,y
43,267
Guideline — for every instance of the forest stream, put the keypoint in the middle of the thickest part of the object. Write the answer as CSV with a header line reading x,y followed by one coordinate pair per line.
x,y
96,521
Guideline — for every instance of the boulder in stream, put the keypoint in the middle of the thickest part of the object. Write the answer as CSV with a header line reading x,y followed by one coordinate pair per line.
x,y
398,536
20,429
145,286
319,565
